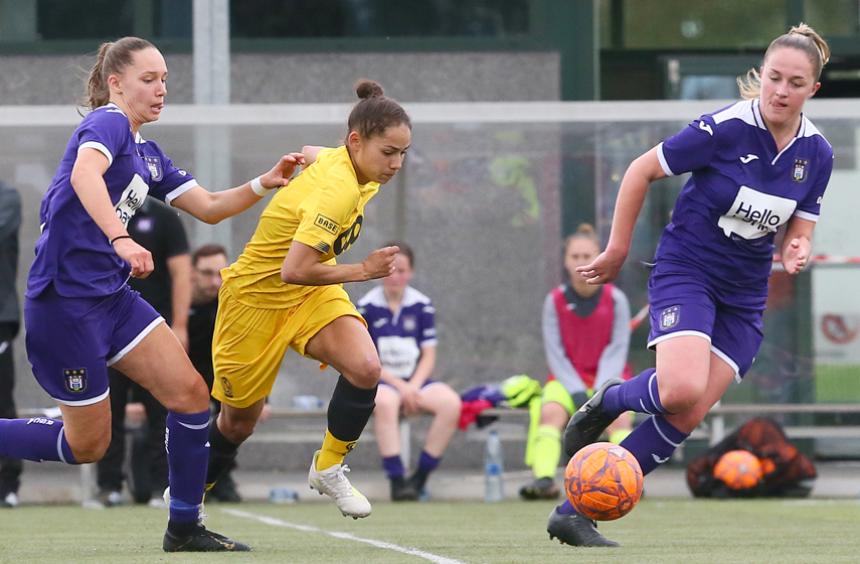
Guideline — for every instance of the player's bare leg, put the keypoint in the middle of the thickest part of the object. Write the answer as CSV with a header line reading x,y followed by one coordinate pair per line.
x,y
346,346
159,364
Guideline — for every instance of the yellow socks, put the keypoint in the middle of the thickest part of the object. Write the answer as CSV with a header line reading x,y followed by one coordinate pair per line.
x,y
547,451
333,451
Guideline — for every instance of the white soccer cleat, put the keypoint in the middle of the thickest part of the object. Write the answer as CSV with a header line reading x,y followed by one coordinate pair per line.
x,y
334,483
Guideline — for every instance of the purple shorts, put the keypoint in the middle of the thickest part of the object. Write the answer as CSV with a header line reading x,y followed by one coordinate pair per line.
x,y
685,301
71,341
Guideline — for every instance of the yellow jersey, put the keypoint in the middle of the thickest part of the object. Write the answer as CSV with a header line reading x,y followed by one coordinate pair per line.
x,y
323,208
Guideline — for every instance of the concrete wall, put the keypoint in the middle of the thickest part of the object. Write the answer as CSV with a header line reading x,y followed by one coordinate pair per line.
x,y
312,78
483,257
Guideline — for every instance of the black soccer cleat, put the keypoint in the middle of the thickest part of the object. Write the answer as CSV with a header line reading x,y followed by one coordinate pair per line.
x,y
541,488
575,530
403,490
589,422
202,540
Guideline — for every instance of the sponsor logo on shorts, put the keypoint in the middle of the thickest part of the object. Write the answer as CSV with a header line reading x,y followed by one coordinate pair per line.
x,y
670,317
75,379
228,388
326,223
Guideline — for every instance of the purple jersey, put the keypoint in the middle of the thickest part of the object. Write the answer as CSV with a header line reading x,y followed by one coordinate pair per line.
x,y
399,337
72,253
740,191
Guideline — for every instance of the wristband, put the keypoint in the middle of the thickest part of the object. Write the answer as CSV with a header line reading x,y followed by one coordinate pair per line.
x,y
258,188
118,237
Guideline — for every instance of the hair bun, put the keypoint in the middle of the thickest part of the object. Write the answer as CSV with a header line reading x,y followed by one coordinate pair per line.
x,y
368,89
585,229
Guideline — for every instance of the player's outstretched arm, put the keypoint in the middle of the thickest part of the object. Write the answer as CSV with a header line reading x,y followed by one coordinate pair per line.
x,y
640,174
212,207
302,266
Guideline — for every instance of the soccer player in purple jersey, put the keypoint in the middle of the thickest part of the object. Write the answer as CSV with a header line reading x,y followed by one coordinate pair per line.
x,y
756,165
81,316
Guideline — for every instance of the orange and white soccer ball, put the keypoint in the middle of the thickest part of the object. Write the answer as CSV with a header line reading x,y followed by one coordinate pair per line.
x,y
739,470
603,481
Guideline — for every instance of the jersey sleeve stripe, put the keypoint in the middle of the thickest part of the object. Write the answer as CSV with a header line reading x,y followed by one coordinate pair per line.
x,y
98,147
663,164
806,215
179,190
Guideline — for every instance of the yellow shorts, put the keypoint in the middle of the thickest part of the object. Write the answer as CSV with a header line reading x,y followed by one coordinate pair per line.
x,y
249,343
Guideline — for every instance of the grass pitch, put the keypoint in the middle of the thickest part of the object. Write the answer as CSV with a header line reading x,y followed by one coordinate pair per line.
x,y
664,531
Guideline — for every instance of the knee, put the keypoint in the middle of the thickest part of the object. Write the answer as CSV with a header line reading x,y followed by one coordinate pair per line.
x,y
365,374
554,414
189,396
237,431
452,407
92,447
387,408
681,394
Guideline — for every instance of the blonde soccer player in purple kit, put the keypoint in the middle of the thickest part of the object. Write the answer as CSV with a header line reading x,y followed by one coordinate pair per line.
x,y
81,316
757,165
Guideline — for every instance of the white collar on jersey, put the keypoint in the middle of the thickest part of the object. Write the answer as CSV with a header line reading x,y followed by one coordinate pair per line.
x,y
376,297
111,107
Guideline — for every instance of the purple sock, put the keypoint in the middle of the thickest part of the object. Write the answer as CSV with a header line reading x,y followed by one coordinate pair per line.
x,y
427,463
187,459
393,466
637,394
37,438
653,442
565,508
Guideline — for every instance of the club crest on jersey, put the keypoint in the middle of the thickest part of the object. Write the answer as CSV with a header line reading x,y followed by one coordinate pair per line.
x,y
75,379
409,323
670,317
798,171
154,166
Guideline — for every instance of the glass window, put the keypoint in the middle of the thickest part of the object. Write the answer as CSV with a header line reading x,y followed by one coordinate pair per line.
x,y
378,18
102,19
833,17
681,24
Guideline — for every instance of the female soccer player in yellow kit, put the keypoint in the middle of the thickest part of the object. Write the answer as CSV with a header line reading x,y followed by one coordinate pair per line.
x,y
285,291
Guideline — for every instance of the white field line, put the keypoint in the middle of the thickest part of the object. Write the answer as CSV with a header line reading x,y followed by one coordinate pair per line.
x,y
340,535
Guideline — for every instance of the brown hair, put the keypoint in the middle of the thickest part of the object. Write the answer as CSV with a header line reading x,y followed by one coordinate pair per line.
x,y
584,231
112,58
801,37
207,250
375,112
405,250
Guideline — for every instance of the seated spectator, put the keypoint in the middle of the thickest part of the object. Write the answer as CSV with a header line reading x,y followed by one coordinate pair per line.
x,y
586,334
401,321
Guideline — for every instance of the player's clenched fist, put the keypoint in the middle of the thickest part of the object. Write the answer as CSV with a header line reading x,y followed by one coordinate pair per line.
x,y
136,256
380,263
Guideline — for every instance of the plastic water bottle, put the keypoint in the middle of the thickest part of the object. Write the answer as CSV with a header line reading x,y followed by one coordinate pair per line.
x,y
493,468
282,495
